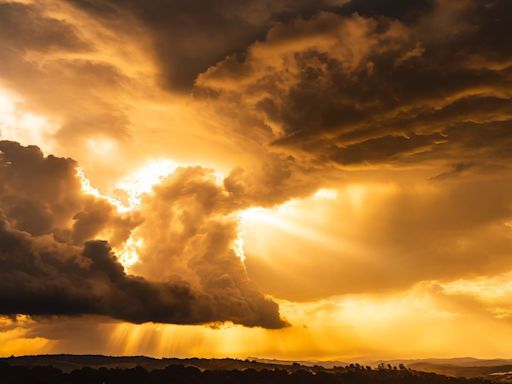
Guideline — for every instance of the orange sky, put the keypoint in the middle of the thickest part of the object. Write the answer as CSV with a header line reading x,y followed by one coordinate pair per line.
x,y
281,179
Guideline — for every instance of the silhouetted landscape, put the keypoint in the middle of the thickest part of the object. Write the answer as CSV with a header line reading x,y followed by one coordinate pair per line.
x,y
92,369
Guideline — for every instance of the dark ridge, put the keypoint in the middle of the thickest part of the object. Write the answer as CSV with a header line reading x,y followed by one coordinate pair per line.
x,y
13,371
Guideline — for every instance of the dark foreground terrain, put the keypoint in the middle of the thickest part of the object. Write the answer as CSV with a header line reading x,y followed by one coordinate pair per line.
x,y
101,369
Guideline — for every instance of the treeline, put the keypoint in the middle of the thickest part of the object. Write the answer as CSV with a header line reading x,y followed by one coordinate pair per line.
x,y
175,374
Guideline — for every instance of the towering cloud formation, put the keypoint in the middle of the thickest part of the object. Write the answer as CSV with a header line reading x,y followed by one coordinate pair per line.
x,y
46,269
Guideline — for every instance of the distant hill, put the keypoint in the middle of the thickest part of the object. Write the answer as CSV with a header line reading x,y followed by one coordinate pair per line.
x,y
462,370
68,363
93,369
305,363
467,367
457,361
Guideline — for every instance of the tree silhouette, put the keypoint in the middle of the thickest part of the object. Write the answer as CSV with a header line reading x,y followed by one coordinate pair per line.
x,y
181,374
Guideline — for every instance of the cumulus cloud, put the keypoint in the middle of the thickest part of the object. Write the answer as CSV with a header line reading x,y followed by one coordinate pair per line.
x,y
41,195
41,277
190,231
53,264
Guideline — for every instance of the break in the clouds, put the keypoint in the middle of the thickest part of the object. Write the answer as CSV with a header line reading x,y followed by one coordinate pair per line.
x,y
50,264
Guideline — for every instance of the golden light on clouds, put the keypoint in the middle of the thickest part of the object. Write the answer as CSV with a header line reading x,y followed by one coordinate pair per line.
x,y
14,338
295,180
128,253
142,180
21,125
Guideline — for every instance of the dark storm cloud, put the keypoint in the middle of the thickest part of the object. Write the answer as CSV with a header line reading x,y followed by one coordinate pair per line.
x,y
49,264
400,9
41,277
385,149
371,90
327,81
42,196
190,36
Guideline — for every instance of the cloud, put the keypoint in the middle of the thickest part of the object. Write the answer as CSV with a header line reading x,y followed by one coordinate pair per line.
x,y
189,231
382,236
335,84
362,90
456,170
399,9
52,262
36,32
71,73
40,277
188,38
297,95
42,196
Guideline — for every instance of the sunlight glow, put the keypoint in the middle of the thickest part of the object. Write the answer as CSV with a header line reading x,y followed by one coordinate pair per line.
x,y
7,107
101,145
136,184
15,337
268,215
356,194
213,342
329,194
19,125
88,189
290,218
128,253
239,244
144,179
499,287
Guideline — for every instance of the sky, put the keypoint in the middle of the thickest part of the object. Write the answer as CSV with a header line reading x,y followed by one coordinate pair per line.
x,y
291,179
